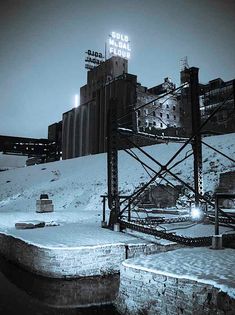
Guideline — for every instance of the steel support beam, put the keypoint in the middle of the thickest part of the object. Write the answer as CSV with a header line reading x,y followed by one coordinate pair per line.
x,y
197,141
112,163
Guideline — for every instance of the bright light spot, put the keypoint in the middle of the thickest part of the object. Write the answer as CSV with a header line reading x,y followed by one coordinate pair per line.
x,y
76,100
196,213
119,45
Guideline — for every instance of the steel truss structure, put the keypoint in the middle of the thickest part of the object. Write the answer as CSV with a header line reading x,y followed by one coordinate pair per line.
x,y
119,206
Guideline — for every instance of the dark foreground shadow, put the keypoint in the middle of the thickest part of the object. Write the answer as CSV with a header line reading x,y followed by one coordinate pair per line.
x,y
26,293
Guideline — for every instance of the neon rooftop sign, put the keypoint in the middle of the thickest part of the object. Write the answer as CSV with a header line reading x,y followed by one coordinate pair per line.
x,y
119,45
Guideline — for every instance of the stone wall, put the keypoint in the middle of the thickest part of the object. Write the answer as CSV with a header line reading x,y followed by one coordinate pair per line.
x,y
63,262
147,293
73,262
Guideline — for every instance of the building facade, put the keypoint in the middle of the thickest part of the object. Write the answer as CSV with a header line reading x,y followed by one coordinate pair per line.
x,y
215,96
162,110
84,128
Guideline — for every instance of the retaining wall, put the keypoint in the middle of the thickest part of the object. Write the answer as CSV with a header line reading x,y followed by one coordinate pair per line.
x,y
73,262
147,293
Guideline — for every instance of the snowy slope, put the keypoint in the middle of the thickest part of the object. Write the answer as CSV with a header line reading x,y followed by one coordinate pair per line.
x,y
75,185
11,161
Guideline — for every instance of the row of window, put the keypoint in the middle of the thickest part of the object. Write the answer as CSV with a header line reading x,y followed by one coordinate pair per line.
x,y
153,124
147,112
160,115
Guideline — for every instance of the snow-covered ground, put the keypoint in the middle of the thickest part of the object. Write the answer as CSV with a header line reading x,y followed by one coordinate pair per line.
x,y
75,185
8,161
215,267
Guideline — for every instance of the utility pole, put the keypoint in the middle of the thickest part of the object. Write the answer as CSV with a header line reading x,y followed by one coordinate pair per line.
x,y
112,163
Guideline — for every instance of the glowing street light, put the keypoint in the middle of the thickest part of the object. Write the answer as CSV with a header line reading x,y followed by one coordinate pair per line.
x,y
196,213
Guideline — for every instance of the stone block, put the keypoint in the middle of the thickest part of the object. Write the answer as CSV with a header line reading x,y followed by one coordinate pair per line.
x,y
44,205
29,225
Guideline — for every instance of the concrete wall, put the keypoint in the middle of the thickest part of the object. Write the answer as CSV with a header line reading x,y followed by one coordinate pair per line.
x,y
143,292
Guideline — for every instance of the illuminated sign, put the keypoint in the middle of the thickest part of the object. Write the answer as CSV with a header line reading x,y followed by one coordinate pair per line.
x,y
119,45
93,59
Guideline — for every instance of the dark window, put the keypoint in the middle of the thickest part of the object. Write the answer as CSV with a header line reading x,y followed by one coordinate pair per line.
x,y
167,116
173,107
161,124
160,114
154,114
174,117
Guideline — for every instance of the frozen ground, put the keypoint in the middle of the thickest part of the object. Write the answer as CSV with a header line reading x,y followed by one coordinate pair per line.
x,y
215,267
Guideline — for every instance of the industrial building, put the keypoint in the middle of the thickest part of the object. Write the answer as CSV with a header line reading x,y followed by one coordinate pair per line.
x,y
212,95
159,114
83,129
217,96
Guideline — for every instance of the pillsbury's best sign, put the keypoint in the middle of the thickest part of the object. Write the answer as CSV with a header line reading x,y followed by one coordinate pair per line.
x,y
119,45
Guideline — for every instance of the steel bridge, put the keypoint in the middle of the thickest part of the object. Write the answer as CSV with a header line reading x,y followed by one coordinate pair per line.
x,y
122,208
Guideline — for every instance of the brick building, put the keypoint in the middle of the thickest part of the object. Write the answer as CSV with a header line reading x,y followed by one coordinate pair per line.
x,y
212,95
159,114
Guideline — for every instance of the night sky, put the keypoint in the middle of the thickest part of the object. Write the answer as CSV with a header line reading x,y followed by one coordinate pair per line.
x,y
42,45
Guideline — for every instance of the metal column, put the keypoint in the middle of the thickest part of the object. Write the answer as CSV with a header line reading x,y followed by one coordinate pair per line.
x,y
112,161
197,142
